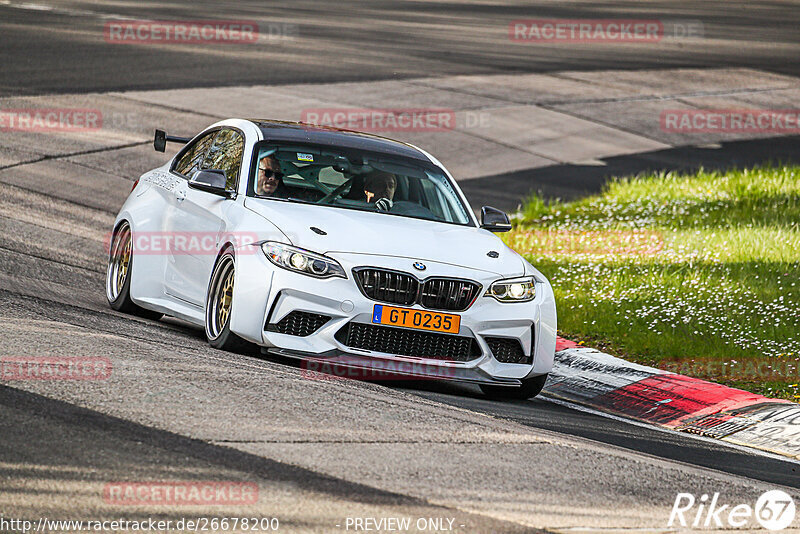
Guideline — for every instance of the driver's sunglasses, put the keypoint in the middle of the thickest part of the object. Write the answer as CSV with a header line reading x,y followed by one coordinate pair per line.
x,y
269,173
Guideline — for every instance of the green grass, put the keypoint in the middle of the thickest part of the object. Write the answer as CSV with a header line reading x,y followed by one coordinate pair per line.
x,y
699,270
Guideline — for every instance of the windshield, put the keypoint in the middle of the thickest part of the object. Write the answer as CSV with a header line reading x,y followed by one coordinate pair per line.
x,y
362,181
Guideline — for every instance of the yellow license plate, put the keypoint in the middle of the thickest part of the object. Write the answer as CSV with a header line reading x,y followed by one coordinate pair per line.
x,y
423,320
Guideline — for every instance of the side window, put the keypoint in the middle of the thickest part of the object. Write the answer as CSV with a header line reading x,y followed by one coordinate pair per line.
x,y
226,155
193,157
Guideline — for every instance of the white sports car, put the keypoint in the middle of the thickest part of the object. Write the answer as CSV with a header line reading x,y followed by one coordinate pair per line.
x,y
332,246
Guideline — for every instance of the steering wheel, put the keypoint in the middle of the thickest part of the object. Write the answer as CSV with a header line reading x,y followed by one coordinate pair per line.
x,y
310,175
333,194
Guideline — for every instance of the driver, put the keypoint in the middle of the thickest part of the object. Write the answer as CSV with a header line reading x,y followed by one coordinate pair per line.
x,y
379,188
269,181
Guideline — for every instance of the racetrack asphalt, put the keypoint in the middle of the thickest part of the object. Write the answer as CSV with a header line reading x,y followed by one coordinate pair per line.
x,y
320,451
442,444
58,47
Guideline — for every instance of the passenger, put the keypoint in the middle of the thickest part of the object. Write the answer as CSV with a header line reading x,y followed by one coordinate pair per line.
x,y
379,188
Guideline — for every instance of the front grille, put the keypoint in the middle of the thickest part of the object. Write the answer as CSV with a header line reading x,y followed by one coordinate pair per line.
x,y
406,342
388,286
449,294
299,323
507,350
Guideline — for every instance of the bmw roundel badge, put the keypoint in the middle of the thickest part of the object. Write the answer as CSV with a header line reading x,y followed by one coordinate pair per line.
x,y
418,265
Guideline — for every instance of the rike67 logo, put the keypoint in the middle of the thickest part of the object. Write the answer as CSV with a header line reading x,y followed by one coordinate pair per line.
x,y
774,510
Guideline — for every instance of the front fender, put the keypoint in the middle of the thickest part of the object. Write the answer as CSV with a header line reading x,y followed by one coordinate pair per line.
x,y
251,289
546,332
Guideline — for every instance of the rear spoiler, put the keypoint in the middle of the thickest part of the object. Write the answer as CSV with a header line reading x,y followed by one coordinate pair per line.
x,y
161,139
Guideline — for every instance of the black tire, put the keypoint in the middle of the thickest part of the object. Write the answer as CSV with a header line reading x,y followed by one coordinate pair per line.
x,y
118,275
530,388
219,297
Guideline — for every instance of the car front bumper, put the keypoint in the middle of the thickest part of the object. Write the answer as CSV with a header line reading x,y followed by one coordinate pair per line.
x,y
265,294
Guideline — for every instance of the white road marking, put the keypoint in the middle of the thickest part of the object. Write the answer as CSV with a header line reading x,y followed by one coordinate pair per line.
x,y
66,11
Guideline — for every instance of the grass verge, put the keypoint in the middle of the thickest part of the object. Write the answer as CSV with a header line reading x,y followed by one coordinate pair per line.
x,y
695,273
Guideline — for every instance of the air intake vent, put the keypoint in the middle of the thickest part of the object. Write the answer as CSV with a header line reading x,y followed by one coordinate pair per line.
x,y
407,342
299,323
507,350
448,294
388,286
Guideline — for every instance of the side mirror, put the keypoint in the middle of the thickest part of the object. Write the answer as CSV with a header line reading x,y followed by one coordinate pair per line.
x,y
211,181
494,220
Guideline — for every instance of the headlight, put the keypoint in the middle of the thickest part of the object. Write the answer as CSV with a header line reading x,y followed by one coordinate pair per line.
x,y
513,290
302,261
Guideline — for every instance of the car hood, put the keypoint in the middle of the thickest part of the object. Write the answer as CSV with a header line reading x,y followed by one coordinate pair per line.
x,y
358,232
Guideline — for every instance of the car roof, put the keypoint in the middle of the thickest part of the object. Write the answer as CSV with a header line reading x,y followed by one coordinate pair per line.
x,y
299,132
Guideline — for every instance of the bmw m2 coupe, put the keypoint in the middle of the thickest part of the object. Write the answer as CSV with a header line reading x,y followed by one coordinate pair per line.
x,y
328,245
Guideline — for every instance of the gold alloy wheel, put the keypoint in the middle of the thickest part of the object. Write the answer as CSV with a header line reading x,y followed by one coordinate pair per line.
x,y
226,297
119,261
220,297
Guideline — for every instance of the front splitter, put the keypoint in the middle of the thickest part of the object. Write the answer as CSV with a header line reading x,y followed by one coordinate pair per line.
x,y
361,367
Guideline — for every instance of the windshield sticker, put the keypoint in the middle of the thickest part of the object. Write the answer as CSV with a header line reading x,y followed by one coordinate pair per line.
x,y
305,157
